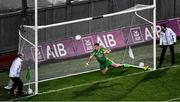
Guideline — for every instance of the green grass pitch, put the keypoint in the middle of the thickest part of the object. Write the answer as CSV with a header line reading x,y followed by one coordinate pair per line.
x,y
125,84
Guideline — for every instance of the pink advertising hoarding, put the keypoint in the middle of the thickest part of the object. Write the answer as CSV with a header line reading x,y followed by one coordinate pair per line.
x,y
114,39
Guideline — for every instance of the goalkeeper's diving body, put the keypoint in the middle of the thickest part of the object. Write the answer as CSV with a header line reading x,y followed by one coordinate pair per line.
x,y
100,54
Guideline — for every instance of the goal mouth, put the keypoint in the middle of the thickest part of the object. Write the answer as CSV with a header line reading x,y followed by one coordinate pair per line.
x,y
63,48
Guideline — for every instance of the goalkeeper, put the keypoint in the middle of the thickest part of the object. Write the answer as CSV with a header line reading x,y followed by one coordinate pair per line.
x,y
100,54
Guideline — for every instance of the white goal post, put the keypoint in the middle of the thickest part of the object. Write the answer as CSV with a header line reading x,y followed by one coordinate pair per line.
x,y
37,27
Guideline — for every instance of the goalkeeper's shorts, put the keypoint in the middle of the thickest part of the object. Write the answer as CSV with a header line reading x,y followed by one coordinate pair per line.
x,y
105,64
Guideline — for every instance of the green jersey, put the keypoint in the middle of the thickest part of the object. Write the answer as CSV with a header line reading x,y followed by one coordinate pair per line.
x,y
100,56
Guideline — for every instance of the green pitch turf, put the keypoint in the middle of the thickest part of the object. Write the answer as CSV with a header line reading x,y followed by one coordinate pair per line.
x,y
118,84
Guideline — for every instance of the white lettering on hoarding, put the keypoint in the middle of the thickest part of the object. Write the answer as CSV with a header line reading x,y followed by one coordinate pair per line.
x,y
107,40
111,40
158,30
57,50
50,52
87,44
61,49
136,35
148,34
40,53
100,41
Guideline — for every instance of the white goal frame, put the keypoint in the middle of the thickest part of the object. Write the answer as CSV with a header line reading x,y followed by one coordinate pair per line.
x,y
36,27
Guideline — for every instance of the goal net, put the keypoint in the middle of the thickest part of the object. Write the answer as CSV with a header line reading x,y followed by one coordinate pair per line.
x,y
128,33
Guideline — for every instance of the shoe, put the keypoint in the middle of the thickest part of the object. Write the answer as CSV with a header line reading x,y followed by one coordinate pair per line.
x,y
22,95
7,88
147,68
14,93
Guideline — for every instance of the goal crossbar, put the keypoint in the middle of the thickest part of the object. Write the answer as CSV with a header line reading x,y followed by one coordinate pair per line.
x,y
91,18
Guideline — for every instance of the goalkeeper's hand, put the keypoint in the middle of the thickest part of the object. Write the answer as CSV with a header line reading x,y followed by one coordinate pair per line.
x,y
107,51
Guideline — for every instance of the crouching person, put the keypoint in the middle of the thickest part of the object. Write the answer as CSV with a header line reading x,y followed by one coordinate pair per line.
x,y
14,75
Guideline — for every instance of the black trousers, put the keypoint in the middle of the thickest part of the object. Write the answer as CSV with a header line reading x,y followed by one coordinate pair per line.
x,y
17,83
164,48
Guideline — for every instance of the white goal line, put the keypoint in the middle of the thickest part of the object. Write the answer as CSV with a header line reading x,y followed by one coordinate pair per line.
x,y
109,79
77,74
174,99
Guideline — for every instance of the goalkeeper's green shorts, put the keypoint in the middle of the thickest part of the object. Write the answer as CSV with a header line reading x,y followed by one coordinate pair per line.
x,y
105,64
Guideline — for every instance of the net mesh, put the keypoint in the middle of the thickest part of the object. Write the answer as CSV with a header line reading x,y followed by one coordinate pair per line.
x,y
26,47
60,54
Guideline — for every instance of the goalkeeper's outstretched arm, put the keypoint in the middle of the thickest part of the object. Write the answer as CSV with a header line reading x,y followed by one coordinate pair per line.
x,y
89,59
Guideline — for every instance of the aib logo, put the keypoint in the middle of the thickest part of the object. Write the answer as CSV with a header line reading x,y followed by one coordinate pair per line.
x,y
88,44
40,53
136,35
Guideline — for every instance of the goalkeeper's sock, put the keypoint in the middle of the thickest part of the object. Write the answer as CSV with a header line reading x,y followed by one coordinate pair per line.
x,y
126,65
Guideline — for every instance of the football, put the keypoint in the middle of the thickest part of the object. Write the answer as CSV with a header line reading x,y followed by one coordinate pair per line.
x,y
78,37
30,91
141,64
